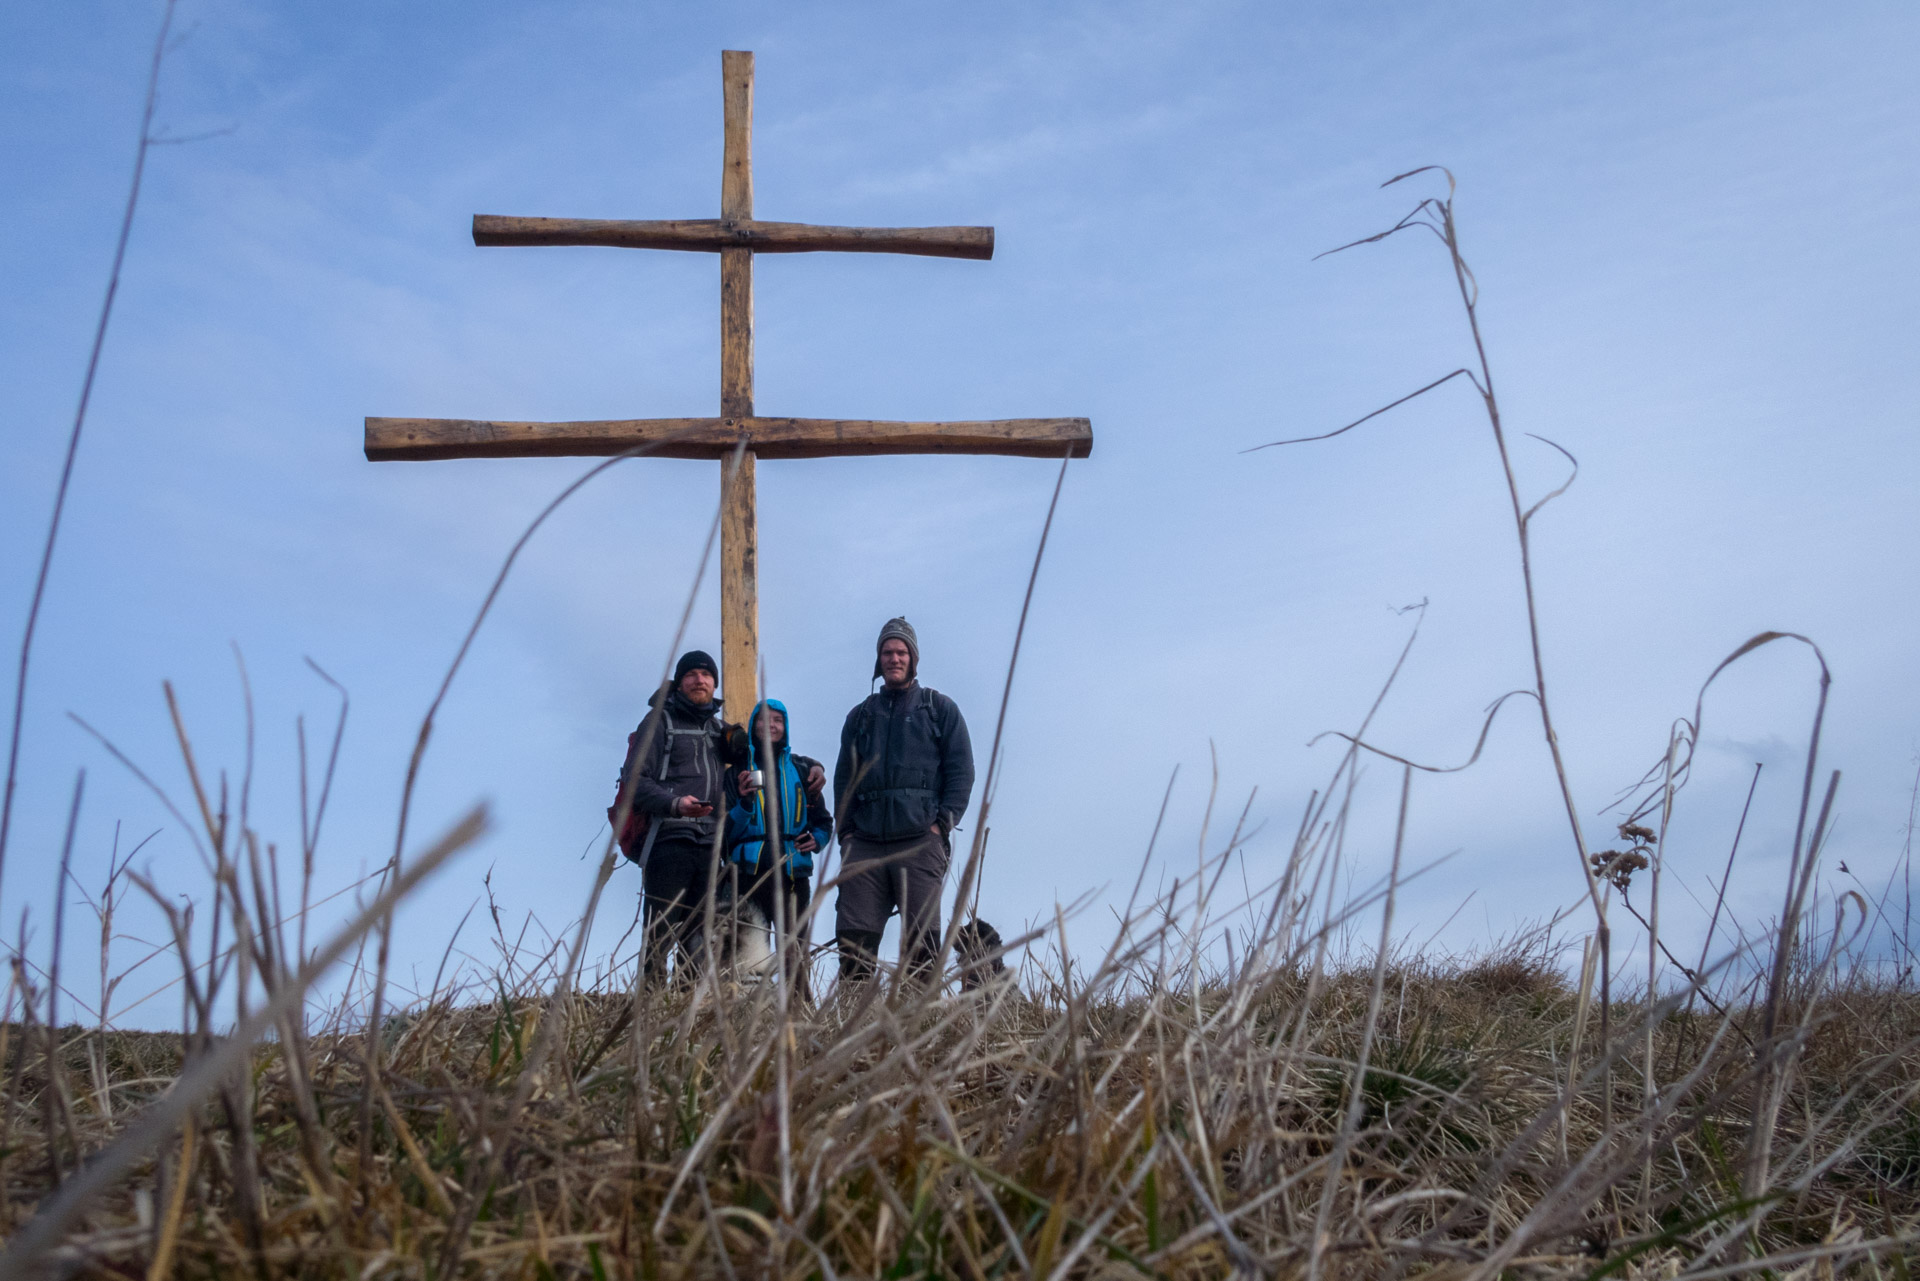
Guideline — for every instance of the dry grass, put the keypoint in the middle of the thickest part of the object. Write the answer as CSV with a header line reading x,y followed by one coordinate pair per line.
x,y
1137,1117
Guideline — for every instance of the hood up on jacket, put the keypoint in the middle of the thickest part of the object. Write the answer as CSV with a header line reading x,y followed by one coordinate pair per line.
x,y
785,749
783,779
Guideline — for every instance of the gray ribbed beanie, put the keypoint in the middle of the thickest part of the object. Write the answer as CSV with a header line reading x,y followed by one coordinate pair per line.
x,y
898,629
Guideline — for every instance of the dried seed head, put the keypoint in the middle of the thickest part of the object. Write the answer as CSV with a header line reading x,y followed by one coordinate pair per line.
x,y
1618,866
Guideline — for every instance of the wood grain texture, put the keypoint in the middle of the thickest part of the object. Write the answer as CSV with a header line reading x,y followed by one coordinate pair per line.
x,y
736,172
739,551
736,333
712,235
392,439
739,591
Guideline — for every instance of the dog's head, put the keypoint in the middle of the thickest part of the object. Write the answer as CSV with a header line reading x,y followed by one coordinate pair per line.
x,y
980,951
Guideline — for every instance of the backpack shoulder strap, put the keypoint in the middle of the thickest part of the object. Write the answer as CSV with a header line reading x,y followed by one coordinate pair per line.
x,y
666,745
712,729
666,735
935,702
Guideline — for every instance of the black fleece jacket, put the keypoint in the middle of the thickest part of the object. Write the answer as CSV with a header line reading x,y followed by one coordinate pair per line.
x,y
906,765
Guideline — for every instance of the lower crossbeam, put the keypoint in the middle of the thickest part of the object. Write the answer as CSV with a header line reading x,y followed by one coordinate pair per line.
x,y
393,439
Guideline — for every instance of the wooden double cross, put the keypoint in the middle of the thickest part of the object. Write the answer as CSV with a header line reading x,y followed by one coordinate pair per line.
x,y
736,236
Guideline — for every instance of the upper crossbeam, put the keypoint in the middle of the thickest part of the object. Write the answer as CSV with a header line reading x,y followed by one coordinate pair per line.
x,y
710,235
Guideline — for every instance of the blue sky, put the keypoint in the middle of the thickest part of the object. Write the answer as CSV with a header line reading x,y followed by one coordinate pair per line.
x,y
1692,230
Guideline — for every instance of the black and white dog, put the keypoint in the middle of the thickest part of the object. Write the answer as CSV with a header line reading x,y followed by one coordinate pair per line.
x,y
741,937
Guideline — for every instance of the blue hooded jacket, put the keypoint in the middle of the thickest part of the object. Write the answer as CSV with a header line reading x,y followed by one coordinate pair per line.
x,y
747,822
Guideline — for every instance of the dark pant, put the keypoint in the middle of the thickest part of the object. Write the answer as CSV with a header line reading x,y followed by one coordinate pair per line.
x,y
675,884
904,876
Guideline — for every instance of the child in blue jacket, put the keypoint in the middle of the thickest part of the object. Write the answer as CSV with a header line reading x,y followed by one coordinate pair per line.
x,y
806,823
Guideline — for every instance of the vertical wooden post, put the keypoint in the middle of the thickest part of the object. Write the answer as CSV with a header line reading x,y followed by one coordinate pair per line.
x,y
739,592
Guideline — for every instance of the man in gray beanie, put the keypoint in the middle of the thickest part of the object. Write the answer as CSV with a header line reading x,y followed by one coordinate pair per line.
x,y
902,783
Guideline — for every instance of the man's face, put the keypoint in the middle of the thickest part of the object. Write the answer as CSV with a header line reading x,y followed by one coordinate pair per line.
x,y
697,685
773,726
895,658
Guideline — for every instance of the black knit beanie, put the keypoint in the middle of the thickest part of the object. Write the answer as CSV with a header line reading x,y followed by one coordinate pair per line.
x,y
695,660
899,629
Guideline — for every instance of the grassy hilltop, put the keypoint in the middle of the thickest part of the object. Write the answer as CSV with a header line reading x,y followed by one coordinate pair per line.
x,y
1148,1115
